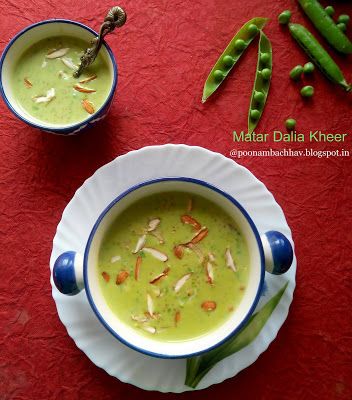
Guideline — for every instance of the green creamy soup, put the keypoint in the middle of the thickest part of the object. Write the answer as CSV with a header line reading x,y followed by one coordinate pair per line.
x,y
173,266
45,88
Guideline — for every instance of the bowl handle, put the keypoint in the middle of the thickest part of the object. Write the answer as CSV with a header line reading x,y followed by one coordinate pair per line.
x,y
278,252
68,273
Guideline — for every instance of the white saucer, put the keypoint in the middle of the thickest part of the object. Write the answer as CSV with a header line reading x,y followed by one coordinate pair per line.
x,y
79,217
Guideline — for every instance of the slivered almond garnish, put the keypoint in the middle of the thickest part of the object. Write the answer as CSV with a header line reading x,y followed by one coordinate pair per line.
x,y
90,78
137,267
115,259
178,251
63,75
158,277
190,205
208,305
140,244
83,89
150,306
229,260
156,253
139,318
149,329
200,235
153,224
50,94
88,106
211,257
181,282
106,276
69,63
57,53
210,273
177,317
121,277
187,219
27,83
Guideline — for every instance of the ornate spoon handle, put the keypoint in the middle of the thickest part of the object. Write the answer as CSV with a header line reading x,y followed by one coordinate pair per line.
x,y
115,18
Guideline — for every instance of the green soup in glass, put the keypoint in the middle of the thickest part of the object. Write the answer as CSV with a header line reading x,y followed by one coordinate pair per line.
x,y
173,266
44,85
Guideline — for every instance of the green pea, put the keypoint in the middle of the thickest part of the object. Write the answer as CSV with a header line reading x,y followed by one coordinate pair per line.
x,y
228,61
255,114
252,29
264,58
307,91
342,27
266,73
343,18
258,97
308,68
284,17
218,75
330,10
290,123
240,44
296,72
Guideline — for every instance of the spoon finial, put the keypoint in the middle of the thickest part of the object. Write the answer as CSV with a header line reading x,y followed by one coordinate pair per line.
x,y
115,18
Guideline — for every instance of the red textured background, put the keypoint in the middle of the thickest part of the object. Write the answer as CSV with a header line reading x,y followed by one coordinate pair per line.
x,y
165,52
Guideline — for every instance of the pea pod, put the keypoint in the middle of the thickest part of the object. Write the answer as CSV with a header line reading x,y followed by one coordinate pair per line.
x,y
318,55
326,26
198,367
261,83
231,55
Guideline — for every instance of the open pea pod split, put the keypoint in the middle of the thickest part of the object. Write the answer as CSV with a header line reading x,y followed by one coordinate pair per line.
x,y
232,54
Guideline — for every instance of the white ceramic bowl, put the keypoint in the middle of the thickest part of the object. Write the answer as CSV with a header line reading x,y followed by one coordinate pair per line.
x,y
33,34
271,252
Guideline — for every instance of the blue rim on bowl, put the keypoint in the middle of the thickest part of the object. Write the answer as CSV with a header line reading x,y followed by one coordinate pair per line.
x,y
67,128
112,204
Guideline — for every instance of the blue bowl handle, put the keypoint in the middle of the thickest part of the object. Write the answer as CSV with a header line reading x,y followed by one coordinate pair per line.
x,y
278,252
68,273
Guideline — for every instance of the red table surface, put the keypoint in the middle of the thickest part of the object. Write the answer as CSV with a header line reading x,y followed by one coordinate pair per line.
x,y
165,52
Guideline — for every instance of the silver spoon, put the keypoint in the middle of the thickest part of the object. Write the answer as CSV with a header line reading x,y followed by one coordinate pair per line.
x,y
115,18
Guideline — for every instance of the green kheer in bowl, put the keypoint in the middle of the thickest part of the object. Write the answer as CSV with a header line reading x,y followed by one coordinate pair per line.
x,y
173,266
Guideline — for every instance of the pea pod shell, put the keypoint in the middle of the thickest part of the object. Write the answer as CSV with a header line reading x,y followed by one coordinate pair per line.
x,y
260,84
326,26
211,84
318,55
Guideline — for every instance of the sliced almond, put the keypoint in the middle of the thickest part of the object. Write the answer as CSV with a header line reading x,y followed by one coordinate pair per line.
x,y
27,83
106,276
178,251
156,253
200,235
83,89
63,75
150,305
190,205
181,282
177,317
208,305
158,277
115,259
121,277
210,273
139,318
187,219
69,63
50,94
90,78
153,224
88,106
137,267
140,244
229,260
149,329
57,53
211,257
